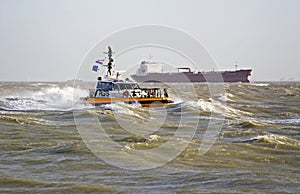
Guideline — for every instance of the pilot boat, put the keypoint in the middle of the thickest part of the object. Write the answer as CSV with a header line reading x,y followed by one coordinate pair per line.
x,y
112,89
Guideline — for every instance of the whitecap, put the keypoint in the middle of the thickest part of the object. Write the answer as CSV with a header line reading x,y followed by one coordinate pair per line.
x,y
51,98
260,84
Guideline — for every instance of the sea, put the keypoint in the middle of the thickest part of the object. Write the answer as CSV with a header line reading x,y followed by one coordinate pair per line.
x,y
245,140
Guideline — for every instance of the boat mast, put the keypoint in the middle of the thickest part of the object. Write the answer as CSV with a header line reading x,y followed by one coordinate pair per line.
x,y
110,60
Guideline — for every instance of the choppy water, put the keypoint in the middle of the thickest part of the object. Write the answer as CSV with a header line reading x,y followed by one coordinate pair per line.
x,y
257,149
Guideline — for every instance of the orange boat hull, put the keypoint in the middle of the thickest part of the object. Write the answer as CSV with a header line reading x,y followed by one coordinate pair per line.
x,y
145,102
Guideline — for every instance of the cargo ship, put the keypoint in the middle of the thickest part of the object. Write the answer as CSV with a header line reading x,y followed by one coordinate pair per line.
x,y
152,71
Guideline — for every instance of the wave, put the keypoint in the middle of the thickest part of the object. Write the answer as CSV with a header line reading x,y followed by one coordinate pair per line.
x,y
25,120
144,143
275,140
203,107
31,185
50,98
212,106
133,110
250,123
283,121
260,84
225,98
45,118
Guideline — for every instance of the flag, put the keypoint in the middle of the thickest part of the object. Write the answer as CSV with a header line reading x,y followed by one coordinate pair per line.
x,y
100,61
95,68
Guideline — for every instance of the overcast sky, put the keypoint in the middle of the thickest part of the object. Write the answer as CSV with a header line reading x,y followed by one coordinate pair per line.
x,y
46,40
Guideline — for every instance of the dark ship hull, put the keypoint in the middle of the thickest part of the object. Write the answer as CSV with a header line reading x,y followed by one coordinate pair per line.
x,y
221,76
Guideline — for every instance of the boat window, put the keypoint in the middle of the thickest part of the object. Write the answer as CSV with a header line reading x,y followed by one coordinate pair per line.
x,y
166,93
125,86
116,87
104,86
121,86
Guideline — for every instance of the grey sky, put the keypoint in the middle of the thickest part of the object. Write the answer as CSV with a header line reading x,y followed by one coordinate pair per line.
x,y
46,40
